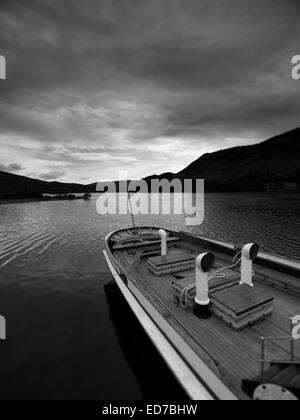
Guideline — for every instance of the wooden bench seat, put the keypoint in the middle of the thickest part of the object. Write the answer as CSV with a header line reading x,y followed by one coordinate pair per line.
x,y
135,245
278,280
174,262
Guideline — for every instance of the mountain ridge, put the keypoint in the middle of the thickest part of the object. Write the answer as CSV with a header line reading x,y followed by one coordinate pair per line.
x,y
246,168
240,168
243,167
18,186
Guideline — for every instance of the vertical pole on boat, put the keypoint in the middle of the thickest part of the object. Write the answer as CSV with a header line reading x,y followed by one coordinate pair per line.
x,y
163,235
204,264
249,253
132,217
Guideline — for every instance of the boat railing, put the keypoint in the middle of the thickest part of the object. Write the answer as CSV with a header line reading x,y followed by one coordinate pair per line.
x,y
264,360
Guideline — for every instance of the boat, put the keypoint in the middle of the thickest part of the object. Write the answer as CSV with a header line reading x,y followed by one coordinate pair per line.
x,y
221,316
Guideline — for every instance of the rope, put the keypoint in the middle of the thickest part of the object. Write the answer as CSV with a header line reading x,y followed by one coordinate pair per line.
x,y
184,295
219,273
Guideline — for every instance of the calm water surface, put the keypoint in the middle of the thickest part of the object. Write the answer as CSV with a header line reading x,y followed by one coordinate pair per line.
x,y
69,334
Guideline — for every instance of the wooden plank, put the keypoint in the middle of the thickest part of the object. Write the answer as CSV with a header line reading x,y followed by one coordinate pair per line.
x,y
188,278
295,382
286,375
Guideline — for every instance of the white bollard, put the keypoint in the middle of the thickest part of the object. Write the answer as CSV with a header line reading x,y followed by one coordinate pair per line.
x,y
204,264
163,235
249,253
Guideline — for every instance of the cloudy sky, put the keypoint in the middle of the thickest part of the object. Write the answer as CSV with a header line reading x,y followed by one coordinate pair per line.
x,y
100,86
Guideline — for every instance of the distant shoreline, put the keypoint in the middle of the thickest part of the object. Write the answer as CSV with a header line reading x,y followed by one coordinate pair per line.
x,y
19,200
36,200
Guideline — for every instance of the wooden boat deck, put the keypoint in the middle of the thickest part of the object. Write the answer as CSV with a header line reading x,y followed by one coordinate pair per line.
x,y
233,355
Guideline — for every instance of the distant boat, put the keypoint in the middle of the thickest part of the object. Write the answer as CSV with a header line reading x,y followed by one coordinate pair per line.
x,y
87,196
62,197
223,330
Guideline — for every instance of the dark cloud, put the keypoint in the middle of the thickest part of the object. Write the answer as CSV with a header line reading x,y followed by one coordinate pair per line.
x,y
12,167
96,85
52,175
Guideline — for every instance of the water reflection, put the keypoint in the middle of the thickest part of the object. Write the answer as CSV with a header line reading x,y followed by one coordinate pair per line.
x,y
155,380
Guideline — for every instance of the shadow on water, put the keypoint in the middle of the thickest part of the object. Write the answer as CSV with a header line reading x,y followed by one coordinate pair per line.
x,y
152,374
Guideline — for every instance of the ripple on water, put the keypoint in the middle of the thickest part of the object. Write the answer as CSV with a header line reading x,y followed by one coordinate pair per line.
x,y
69,236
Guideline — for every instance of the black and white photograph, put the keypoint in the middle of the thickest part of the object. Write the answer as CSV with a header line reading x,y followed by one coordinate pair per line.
x,y
149,203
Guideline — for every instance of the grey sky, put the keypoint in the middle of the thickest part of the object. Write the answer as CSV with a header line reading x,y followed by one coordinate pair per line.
x,y
147,86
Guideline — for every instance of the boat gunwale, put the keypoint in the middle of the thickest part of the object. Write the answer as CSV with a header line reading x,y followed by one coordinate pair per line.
x,y
263,258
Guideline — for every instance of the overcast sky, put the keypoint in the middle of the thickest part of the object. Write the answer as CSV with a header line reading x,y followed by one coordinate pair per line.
x,y
99,86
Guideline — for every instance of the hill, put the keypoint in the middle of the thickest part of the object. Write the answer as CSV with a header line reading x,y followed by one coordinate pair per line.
x,y
16,186
249,167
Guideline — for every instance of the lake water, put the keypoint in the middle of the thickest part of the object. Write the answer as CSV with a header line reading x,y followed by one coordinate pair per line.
x,y
69,333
